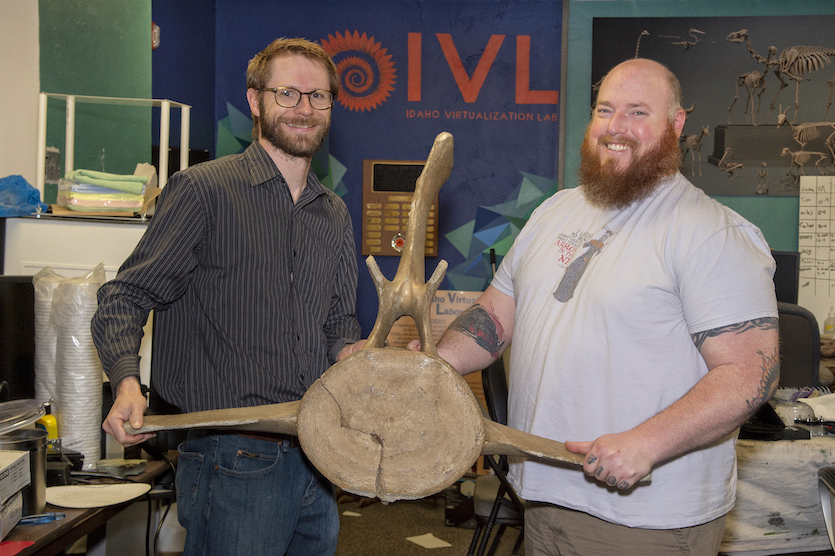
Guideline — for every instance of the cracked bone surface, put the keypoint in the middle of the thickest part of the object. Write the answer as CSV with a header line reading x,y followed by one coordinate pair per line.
x,y
393,424
388,422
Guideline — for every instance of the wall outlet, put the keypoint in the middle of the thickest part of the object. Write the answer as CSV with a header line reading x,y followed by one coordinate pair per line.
x,y
52,171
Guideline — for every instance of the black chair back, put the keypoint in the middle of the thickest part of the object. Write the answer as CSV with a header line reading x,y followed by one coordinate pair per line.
x,y
507,509
799,346
494,381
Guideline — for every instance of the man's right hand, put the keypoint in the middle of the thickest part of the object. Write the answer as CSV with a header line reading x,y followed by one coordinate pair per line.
x,y
414,345
129,406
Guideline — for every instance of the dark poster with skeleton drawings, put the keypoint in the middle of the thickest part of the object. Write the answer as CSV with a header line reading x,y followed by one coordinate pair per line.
x,y
732,80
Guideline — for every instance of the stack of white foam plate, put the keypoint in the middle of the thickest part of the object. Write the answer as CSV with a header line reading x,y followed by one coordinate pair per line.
x,y
79,372
45,282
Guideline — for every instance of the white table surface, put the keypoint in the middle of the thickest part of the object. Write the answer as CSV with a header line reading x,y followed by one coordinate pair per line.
x,y
778,508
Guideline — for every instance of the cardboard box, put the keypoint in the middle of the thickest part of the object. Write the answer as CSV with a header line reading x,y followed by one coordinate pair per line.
x,y
10,514
14,472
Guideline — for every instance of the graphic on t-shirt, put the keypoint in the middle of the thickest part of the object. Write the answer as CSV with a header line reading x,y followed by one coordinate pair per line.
x,y
567,244
575,270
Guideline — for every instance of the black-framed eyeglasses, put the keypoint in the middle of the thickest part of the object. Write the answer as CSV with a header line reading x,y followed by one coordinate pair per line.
x,y
288,97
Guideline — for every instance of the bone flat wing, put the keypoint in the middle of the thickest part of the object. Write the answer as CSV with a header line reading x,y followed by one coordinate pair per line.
x,y
279,418
503,440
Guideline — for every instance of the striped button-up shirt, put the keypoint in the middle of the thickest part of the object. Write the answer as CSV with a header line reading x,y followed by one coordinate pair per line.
x,y
254,295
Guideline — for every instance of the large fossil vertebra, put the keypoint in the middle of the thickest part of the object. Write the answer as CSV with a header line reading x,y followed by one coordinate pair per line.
x,y
388,422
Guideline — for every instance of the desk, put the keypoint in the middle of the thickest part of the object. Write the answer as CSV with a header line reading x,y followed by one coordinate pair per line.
x,y
51,538
778,507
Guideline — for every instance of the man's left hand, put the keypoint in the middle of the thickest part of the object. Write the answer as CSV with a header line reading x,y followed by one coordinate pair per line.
x,y
617,460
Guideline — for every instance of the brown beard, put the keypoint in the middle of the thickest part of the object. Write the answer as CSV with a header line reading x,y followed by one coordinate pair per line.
x,y
606,187
272,131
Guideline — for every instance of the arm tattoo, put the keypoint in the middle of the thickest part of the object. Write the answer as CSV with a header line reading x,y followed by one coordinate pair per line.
x,y
770,362
770,376
768,323
478,323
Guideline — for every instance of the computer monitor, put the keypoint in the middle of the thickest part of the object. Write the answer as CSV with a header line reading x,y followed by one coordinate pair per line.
x,y
787,275
17,337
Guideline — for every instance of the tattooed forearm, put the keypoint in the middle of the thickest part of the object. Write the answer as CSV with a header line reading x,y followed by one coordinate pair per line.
x,y
769,323
770,376
770,363
477,323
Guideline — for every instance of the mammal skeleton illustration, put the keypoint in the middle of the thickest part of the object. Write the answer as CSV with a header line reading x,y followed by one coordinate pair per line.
x,y
752,81
693,145
805,132
793,62
799,158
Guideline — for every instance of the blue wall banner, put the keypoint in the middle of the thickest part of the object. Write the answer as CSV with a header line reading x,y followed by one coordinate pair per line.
x,y
488,72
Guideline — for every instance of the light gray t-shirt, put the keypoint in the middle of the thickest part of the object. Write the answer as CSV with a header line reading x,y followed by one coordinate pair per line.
x,y
606,303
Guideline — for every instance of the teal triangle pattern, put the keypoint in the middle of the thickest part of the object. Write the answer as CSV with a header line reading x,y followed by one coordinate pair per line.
x,y
528,192
227,143
234,134
241,124
495,227
462,237
489,235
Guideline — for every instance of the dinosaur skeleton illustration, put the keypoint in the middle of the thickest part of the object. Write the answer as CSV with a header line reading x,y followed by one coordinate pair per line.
x,y
686,44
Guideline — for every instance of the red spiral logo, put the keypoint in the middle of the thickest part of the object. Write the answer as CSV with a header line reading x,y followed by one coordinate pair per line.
x,y
367,76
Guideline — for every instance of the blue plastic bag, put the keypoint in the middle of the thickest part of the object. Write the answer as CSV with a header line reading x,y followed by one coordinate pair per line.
x,y
18,198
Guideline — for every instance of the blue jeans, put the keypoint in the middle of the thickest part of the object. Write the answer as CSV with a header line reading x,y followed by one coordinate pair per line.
x,y
239,495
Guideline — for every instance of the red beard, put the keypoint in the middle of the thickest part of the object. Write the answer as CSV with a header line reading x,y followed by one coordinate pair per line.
x,y
607,187
303,147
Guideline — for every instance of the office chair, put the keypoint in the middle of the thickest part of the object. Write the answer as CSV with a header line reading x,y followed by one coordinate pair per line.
x,y
800,346
495,501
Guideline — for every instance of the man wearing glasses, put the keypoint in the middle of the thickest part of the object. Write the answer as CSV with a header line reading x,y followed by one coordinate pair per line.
x,y
250,265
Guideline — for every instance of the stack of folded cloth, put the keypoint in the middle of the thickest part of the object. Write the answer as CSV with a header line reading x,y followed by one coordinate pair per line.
x,y
88,190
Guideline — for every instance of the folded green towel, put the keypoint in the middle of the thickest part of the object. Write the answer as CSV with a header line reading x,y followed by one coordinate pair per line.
x,y
128,183
107,197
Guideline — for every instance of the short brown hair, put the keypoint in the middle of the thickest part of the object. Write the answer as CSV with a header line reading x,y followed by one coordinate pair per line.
x,y
258,69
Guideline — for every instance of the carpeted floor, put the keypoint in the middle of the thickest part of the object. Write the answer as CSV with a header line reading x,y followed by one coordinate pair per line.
x,y
381,530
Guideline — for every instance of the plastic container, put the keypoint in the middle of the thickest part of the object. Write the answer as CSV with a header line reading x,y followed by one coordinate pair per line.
x,y
829,323
792,412
48,422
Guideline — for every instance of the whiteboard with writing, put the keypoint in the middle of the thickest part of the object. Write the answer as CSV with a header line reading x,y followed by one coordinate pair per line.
x,y
816,243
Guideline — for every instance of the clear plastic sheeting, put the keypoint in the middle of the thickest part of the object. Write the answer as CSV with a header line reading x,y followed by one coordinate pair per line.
x,y
76,378
45,282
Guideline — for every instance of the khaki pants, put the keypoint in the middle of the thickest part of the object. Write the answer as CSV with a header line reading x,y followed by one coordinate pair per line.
x,y
556,531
